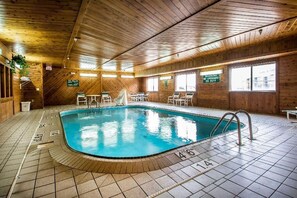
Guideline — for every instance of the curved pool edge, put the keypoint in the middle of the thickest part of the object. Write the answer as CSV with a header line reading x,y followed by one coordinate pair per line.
x,y
65,155
67,112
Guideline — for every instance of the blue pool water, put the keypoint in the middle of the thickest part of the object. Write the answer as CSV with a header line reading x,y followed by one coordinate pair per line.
x,y
133,131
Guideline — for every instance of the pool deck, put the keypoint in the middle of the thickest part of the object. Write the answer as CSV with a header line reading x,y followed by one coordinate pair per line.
x,y
265,167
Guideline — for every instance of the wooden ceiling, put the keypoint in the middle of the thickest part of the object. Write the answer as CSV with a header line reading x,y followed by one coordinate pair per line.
x,y
38,29
139,34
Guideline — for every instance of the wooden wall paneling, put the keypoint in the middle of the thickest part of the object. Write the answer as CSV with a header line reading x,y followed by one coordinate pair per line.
x,y
56,91
214,95
33,91
115,85
166,89
257,102
16,93
287,82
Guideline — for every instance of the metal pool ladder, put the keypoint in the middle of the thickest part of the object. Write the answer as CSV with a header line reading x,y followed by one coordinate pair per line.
x,y
234,115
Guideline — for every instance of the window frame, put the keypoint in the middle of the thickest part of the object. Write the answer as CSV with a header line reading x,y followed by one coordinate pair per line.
x,y
185,73
251,65
153,78
6,82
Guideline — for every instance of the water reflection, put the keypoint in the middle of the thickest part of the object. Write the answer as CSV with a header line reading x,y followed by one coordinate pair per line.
x,y
89,135
186,129
110,133
128,130
153,121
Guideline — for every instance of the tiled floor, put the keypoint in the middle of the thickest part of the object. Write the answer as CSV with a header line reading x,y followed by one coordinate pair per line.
x,y
265,167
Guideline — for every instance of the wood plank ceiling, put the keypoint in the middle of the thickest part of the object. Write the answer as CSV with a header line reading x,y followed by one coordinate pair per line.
x,y
139,34
38,29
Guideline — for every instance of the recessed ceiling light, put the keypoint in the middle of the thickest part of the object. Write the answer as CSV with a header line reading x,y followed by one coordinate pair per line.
x,y
127,76
76,38
87,75
109,75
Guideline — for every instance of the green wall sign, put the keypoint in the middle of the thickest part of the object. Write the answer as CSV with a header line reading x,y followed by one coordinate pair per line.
x,y
212,78
72,83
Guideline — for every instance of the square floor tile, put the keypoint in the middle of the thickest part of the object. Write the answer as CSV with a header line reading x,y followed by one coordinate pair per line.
x,y
44,190
24,186
86,187
68,192
260,189
249,194
180,192
192,186
44,181
204,180
142,178
92,194
268,182
67,183
232,187
241,181
219,192
135,192
287,190
127,184
156,174
151,187
165,181
110,190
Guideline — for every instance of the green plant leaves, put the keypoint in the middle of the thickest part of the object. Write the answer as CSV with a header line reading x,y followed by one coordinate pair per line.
x,y
21,61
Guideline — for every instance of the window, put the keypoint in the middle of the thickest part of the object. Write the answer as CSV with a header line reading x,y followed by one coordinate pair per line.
x,y
152,84
6,82
253,78
185,82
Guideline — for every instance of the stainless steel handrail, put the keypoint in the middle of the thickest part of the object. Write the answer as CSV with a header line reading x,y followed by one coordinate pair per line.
x,y
238,126
249,123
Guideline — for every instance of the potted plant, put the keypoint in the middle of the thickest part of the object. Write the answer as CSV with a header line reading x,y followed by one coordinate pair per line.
x,y
23,66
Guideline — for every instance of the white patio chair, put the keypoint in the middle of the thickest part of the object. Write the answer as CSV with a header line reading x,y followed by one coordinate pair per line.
x,y
172,98
188,98
81,98
105,97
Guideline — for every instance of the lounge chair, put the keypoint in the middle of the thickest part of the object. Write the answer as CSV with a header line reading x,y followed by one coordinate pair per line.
x,y
81,98
291,112
172,98
105,97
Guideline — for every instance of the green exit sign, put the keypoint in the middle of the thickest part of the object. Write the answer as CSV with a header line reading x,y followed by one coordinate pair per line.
x,y
0,51
212,78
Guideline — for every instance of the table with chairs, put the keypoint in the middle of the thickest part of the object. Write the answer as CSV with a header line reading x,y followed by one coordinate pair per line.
x,y
141,96
93,99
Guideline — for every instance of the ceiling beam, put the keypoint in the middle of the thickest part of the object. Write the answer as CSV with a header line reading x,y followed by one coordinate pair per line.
x,y
78,22
270,49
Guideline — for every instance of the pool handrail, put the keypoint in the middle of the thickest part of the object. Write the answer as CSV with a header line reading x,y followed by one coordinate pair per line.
x,y
249,123
238,126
